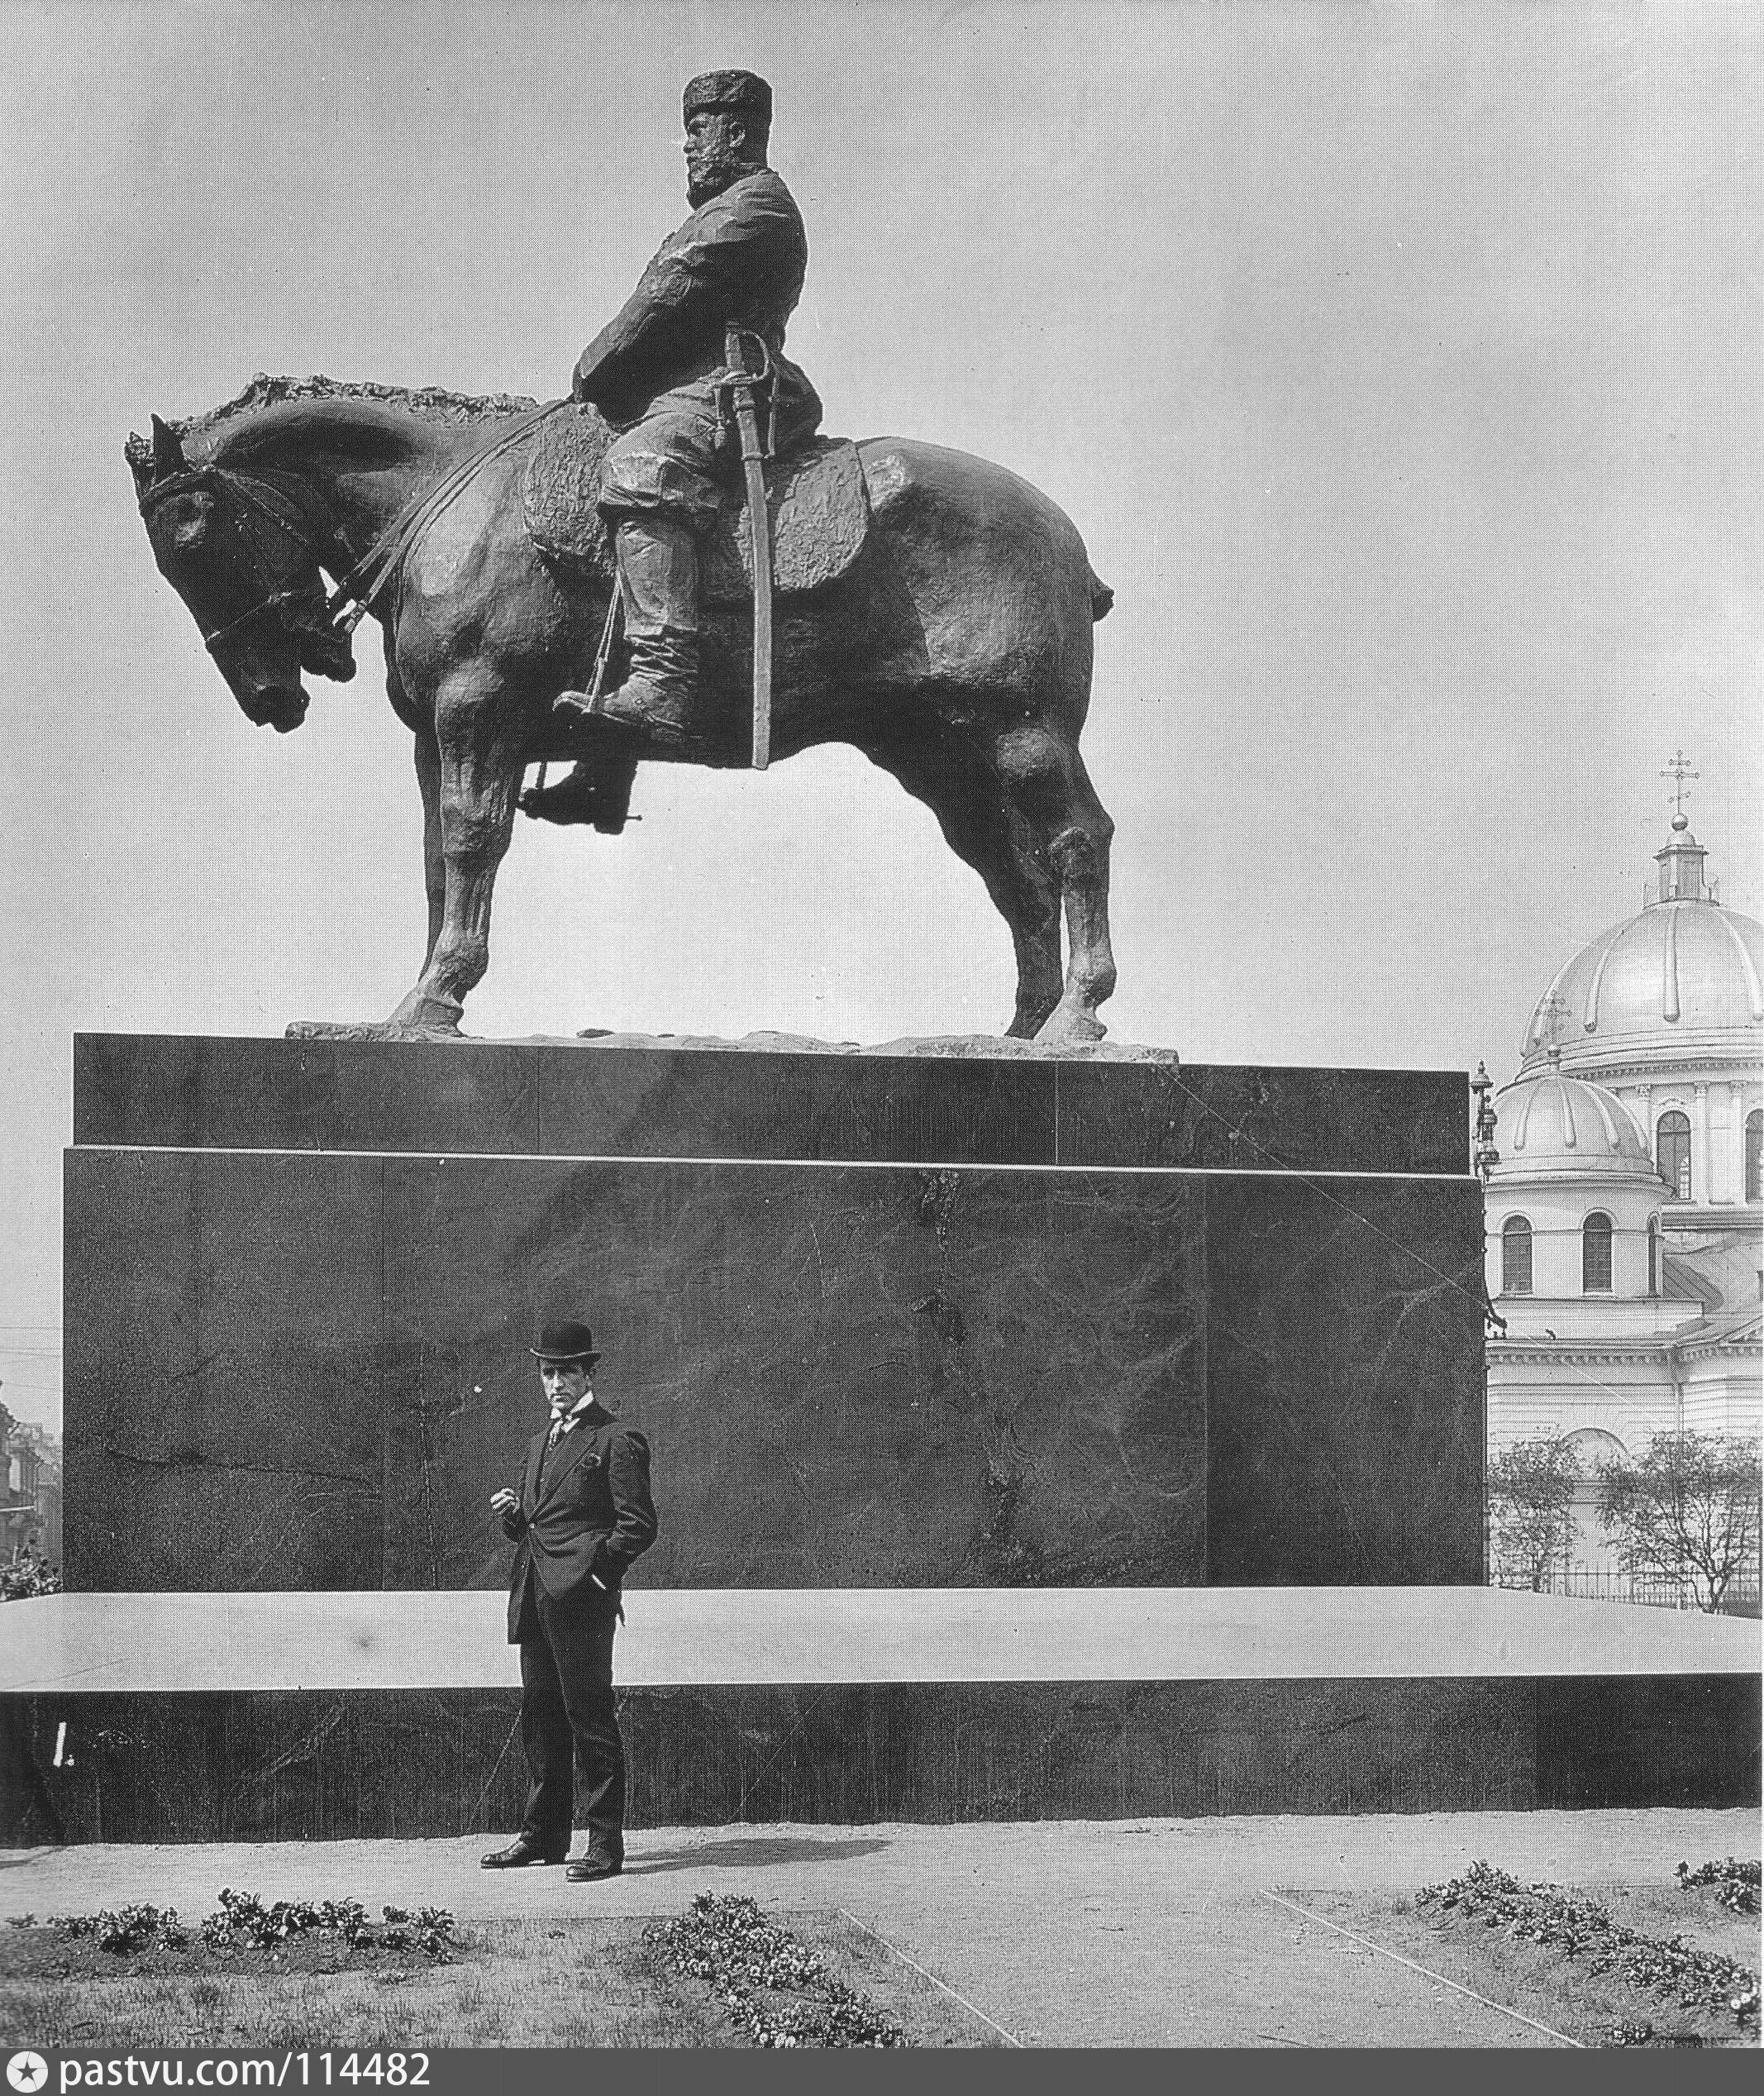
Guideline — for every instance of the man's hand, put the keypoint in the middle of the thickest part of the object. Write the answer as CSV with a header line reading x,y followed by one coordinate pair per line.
x,y
504,1502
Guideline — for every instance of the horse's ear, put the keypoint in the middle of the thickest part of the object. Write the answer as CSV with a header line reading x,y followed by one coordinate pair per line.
x,y
138,453
168,451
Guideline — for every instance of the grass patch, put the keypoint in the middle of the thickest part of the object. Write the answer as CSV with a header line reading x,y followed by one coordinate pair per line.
x,y
579,1983
576,1982
1613,1965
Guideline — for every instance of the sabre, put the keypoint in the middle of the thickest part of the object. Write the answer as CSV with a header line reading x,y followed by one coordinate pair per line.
x,y
742,384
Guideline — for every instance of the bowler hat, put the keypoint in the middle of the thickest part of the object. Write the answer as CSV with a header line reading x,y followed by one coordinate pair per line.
x,y
743,94
564,1338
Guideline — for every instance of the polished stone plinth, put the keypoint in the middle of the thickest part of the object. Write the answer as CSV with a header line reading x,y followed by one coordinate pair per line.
x,y
589,1099
198,1717
886,1320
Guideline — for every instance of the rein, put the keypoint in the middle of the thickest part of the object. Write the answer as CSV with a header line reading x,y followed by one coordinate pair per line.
x,y
370,575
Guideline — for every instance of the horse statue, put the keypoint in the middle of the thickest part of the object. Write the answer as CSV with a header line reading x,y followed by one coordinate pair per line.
x,y
953,647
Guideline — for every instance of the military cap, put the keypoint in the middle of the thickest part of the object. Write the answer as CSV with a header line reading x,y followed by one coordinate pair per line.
x,y
739,93
564,1338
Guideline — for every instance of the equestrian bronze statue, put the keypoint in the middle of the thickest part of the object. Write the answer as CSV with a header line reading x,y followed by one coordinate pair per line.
x,y
576,582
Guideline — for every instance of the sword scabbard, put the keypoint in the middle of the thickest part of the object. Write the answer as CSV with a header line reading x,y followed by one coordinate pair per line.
x,y
760,537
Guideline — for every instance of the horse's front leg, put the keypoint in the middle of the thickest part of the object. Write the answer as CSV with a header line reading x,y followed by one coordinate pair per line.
x,y
479,752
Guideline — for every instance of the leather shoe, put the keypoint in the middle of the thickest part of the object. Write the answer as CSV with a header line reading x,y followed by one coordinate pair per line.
x,y
517,1854
589,1870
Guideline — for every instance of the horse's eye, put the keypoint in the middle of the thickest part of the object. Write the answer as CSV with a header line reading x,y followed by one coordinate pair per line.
x,y
190,519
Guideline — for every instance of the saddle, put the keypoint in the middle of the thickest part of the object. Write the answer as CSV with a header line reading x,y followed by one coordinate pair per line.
x,y
818,505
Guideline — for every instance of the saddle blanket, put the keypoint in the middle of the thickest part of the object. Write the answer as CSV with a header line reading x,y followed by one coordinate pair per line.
x,y
817,502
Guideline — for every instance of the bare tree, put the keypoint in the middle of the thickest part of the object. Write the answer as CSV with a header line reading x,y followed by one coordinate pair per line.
x,y
1531,1512
1687,1510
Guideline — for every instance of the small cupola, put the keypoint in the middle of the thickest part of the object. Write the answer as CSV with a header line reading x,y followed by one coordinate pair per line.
x,y
1679,860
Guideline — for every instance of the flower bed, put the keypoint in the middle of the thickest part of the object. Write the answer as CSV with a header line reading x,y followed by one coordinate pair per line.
x,y
748,1963
243,1933
1670,1969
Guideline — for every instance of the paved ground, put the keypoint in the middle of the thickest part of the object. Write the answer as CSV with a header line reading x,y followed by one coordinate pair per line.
x,y
1122,1932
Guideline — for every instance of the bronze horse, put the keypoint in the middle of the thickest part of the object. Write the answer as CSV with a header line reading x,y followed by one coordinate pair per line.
x,y
955,652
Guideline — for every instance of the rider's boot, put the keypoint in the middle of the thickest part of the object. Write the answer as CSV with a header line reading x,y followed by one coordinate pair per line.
x,y
598,793
658,575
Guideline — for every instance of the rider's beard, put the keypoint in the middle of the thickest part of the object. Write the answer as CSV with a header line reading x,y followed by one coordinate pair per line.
x,y
715,170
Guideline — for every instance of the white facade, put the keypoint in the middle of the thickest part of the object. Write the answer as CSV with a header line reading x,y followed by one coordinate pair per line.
x,y
1625,1247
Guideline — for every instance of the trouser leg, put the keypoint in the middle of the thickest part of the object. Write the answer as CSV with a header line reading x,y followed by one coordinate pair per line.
x,y
546,1735
600,1754
581,1633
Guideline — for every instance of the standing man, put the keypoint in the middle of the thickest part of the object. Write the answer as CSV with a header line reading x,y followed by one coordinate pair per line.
x,y
582,1516
652,371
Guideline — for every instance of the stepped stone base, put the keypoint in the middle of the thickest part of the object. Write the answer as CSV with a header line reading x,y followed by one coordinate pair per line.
x,y
177,1719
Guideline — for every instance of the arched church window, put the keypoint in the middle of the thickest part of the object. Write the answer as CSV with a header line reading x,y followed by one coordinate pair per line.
x,y
1515,1257
1653,1255
1755,1155
1672,1153
1595,1255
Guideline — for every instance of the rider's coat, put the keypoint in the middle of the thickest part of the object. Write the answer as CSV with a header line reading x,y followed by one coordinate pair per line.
x,y
651,370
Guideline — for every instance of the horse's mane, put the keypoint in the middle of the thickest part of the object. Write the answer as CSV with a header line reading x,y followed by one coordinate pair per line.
x,y
434,404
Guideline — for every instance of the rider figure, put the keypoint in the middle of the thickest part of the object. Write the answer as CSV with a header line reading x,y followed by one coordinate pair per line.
x,y
652,371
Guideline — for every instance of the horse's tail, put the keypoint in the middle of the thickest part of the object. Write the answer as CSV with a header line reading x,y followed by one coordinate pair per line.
x,y
1102,598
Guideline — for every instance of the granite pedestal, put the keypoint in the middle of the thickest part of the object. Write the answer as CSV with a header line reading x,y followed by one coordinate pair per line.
x,y
1101,1345
887,1320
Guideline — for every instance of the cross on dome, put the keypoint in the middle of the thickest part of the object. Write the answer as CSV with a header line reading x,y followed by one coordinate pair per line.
x,y
1678,769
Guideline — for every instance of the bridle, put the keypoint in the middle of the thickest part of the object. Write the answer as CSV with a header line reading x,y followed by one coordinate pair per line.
x,y
251,505
253,502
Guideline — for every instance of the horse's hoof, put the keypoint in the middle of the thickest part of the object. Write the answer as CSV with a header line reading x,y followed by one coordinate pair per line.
x,y
419,1017
1071,1029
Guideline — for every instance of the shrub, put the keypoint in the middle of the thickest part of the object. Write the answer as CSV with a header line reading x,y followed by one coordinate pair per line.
x,y
28,1575
1736,1883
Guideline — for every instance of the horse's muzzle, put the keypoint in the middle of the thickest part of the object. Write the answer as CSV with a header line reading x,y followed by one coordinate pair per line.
x,y
280,706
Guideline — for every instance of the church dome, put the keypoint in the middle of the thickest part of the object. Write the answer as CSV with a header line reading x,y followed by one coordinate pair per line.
x,y
1553,1126
1684,979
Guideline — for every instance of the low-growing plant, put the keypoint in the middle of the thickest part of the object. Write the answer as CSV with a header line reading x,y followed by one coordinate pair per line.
x,y
1736,1883
124,1930
725,1940
243,1921
29,1575
1541,1914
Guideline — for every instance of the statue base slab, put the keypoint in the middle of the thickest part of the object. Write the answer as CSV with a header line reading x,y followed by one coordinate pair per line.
x,y
182,1717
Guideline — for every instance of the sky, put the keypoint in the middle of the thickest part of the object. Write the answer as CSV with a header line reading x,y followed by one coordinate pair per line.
x,y
1396,364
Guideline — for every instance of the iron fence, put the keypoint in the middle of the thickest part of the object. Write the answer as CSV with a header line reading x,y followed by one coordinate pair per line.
x,y
1645,1590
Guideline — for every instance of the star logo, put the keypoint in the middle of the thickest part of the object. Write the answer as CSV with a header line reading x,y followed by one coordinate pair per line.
x,y
27,2071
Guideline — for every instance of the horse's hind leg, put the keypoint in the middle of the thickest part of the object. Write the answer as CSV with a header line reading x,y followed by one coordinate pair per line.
x,y
1045,779
962,789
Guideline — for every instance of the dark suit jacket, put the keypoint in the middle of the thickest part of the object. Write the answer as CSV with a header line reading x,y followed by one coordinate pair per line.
x,y
591,1517
741,256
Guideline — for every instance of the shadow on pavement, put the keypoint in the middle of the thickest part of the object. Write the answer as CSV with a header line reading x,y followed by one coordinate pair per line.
x,y
762,1850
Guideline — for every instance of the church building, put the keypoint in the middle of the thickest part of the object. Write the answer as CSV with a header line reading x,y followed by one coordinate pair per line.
x,y
1624,1214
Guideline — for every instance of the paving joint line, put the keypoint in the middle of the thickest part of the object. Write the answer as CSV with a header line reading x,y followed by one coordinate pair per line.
x,y
1427,1972
991,2022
